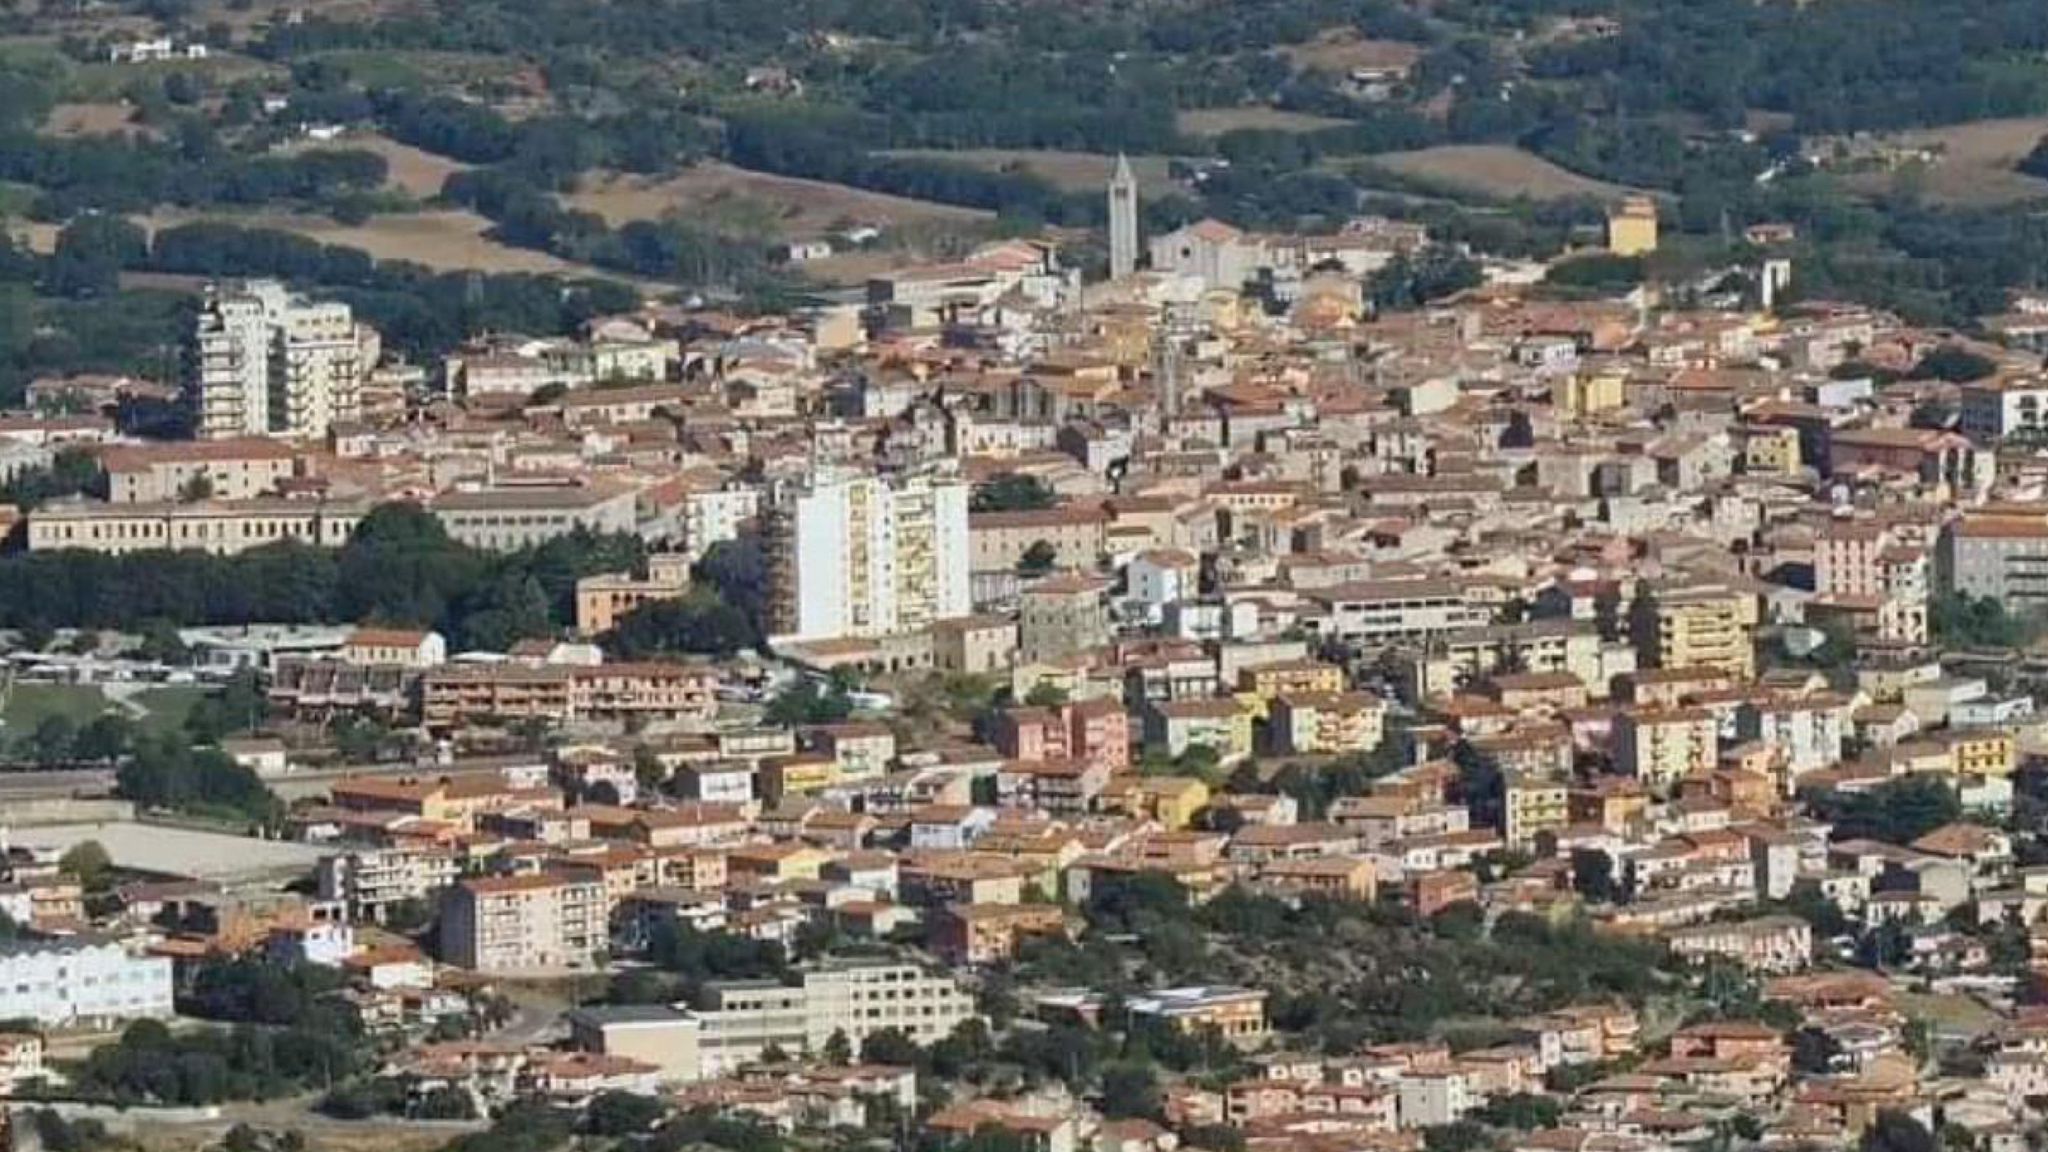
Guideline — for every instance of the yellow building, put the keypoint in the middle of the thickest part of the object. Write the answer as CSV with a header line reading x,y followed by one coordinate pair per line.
x,y
1585,393
1771,451
1173,801
1707,626
1237,1014
1327,722
1532,806
1632,227
797,776
602,599
1265,682
1660,746
1982,753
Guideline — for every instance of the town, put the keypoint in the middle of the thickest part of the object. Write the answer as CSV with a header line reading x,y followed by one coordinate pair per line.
x,y
1246,702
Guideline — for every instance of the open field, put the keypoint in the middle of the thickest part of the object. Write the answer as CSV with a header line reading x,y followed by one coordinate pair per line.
x,y
444,241
1217,121
416,173
106,119
757,201
155,708
1068,171
1495,170
186,852
1976,167
1339,50
394,68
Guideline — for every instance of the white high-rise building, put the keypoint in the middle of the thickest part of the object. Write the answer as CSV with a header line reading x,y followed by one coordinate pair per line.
x,y
1123,220
268,363
856,555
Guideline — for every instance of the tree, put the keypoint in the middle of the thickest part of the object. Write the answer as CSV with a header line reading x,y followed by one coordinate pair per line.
x,y
698,623
623,1114
1130,1089
88,863
1814,1052
1038,559
1897,811
1954,364
838,1049
1012,492
890,1046
1593,875
1046,694
1896,1132
1523,1111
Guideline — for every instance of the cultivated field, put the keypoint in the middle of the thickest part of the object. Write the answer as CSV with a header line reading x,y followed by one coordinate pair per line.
x,y
757,202
1068,171
1496,171
443,241
1976,167
1217,121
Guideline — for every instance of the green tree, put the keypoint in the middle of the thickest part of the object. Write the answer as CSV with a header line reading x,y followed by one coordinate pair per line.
x,y
1012,492
838,1049
88,863
1038,559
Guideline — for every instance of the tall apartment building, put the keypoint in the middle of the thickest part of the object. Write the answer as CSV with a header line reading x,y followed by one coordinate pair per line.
x,y
741,1019
853,555
267,363
525,923
2004,557
369,882
1705,626
63,983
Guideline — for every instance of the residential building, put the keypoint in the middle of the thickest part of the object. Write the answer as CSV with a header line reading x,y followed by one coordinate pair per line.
x,y
859,556
542,921
78,982
270,363
602,599
508,518
741,1019
224,527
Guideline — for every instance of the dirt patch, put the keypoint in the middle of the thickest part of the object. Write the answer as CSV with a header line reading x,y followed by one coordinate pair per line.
x,y
1068,171
1217,121
1339,50
1976,165
756,202
1495,170
414,172
108,119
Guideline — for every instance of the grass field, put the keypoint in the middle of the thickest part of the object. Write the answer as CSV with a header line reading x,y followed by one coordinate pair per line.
x,y
1217,121
155,709
1068,171
1496,171
390,68
1977,164
756,202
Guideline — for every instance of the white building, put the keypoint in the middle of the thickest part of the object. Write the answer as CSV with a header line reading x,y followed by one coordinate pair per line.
x,y
270,363
853,555
741,1019
77,982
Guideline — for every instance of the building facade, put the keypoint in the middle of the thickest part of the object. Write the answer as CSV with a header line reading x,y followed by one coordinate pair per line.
x,y
854,556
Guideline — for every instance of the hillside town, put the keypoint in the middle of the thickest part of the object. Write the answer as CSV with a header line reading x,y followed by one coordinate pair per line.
x,y
1210,707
